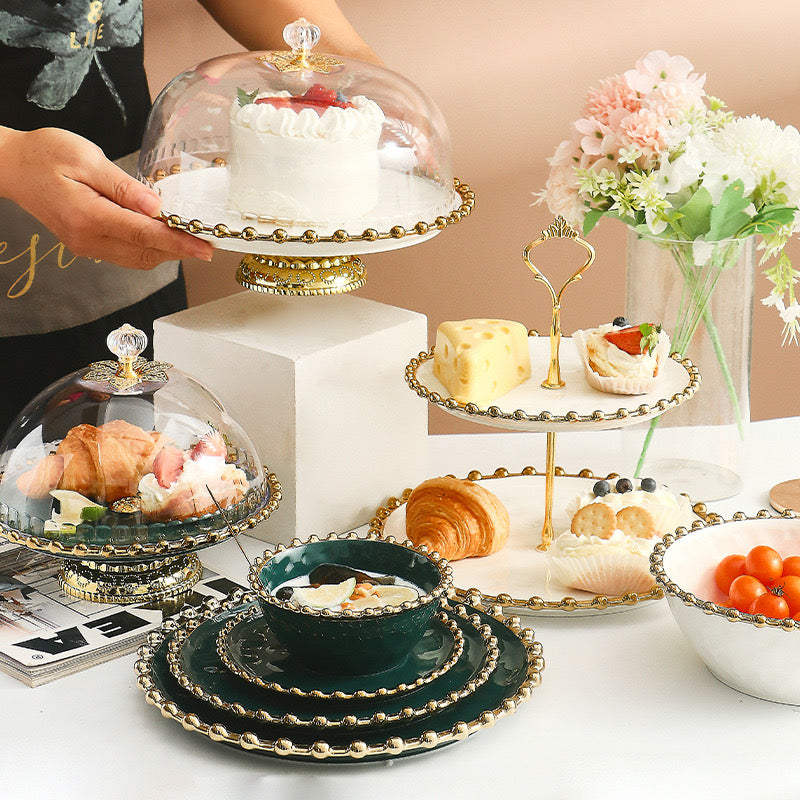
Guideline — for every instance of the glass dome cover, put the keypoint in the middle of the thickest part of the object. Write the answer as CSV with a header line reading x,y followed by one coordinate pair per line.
x,y
127,459
281,151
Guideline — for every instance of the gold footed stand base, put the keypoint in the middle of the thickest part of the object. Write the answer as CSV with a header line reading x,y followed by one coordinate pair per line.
x,y
134,582
301,276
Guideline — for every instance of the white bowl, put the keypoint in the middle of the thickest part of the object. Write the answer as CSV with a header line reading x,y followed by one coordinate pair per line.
x,y
750,653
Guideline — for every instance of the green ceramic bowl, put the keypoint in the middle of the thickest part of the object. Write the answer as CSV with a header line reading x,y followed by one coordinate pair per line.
x,y
350,642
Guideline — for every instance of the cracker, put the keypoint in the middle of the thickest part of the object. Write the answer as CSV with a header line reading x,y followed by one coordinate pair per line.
x,y
636,521
594,519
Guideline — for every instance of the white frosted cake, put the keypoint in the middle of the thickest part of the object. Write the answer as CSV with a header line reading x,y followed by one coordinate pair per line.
x,y
304,160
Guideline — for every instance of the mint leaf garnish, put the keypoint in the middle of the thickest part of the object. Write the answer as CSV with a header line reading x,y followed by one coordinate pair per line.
x,y
245,98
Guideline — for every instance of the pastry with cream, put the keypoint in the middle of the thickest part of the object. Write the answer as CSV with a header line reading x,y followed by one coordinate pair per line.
x,y
622,359
612,533
480,360
182,482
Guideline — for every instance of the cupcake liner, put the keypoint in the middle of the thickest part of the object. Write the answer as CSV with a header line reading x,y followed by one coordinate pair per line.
x,y
630,386
604,573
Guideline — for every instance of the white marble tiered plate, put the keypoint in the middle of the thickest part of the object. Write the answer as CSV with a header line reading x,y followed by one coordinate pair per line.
x,y
517,576
577,406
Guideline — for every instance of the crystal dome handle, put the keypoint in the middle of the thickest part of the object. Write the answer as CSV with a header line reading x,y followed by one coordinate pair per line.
x,y
126,342
301,35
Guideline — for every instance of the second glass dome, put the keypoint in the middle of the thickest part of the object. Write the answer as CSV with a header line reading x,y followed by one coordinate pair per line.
x,y
312,145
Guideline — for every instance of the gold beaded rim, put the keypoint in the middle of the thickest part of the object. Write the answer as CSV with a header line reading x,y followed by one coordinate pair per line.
x,y
310,236
546,417
146,550
438,592
405,714
707,606
475,596
357,749
360,694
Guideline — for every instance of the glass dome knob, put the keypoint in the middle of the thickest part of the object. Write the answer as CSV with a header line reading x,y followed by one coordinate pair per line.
x,y
301,35
127,342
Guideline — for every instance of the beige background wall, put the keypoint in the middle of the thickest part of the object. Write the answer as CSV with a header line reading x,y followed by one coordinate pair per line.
x,y
510,77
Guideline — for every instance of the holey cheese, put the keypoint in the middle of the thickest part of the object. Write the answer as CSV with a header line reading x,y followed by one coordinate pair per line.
x,y
479,360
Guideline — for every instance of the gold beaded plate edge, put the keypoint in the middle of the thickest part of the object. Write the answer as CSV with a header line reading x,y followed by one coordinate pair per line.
x,y
139,551
516,577
575,407
252,238
178,667
338,694
161,691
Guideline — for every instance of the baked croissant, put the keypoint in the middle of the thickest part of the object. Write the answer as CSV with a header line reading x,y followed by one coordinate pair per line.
x,y
108,461
456,518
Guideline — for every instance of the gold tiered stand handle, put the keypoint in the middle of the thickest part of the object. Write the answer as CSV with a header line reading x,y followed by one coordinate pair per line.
x,y
559,229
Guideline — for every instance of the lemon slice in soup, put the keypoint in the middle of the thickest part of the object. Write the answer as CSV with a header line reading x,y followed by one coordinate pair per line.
x,y
329,595
396,595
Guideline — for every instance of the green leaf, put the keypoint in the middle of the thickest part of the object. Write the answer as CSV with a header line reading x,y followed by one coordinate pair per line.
x,y
591,219
728,216
770,218
245,98
649,337
695,214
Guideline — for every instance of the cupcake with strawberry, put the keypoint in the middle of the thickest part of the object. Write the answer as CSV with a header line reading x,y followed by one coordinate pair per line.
x,y
621,358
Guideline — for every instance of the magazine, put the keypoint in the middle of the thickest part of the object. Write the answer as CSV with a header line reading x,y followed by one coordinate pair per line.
x,y
46,634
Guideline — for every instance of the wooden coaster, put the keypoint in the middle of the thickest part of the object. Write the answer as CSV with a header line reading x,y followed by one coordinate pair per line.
x,y
786,495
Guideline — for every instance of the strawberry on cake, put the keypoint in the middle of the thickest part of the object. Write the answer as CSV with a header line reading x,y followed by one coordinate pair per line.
x,y
307,159
178,487
620,358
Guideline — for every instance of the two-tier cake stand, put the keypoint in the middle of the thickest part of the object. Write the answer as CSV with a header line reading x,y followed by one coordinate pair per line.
x,y
517,576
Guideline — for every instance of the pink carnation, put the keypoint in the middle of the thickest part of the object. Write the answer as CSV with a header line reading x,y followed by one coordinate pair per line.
x,y
671,99
644,129
610,96
561,192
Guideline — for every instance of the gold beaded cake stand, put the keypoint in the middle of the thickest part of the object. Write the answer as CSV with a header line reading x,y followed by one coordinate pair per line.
x,y
291,260
570,402
285,256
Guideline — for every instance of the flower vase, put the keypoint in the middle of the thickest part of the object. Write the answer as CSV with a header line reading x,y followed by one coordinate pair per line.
x,y
702,295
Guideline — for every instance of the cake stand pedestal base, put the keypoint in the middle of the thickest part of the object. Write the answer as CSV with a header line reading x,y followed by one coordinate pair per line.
x,y
301,276
132,582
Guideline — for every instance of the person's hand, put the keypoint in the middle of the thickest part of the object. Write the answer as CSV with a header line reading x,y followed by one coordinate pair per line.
x,y
95,208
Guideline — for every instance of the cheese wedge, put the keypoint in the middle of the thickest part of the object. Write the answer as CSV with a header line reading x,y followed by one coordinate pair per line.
x,y
479,360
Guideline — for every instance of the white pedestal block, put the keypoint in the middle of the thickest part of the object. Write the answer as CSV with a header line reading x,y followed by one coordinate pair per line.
x,y
317,383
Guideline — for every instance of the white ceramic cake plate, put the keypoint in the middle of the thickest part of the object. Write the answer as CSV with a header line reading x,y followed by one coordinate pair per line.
x,y
517,576
577,406
200,196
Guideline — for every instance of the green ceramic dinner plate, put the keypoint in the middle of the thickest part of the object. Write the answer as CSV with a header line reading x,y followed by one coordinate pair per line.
x,y
518,671
250,649
196,665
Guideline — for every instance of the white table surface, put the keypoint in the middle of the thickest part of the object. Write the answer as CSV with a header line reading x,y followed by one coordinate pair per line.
x,y
625,708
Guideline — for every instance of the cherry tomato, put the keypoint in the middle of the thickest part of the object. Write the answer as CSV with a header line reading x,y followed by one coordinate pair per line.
x,y
764,562
744,590
788,587
770,605
729,568
791,565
